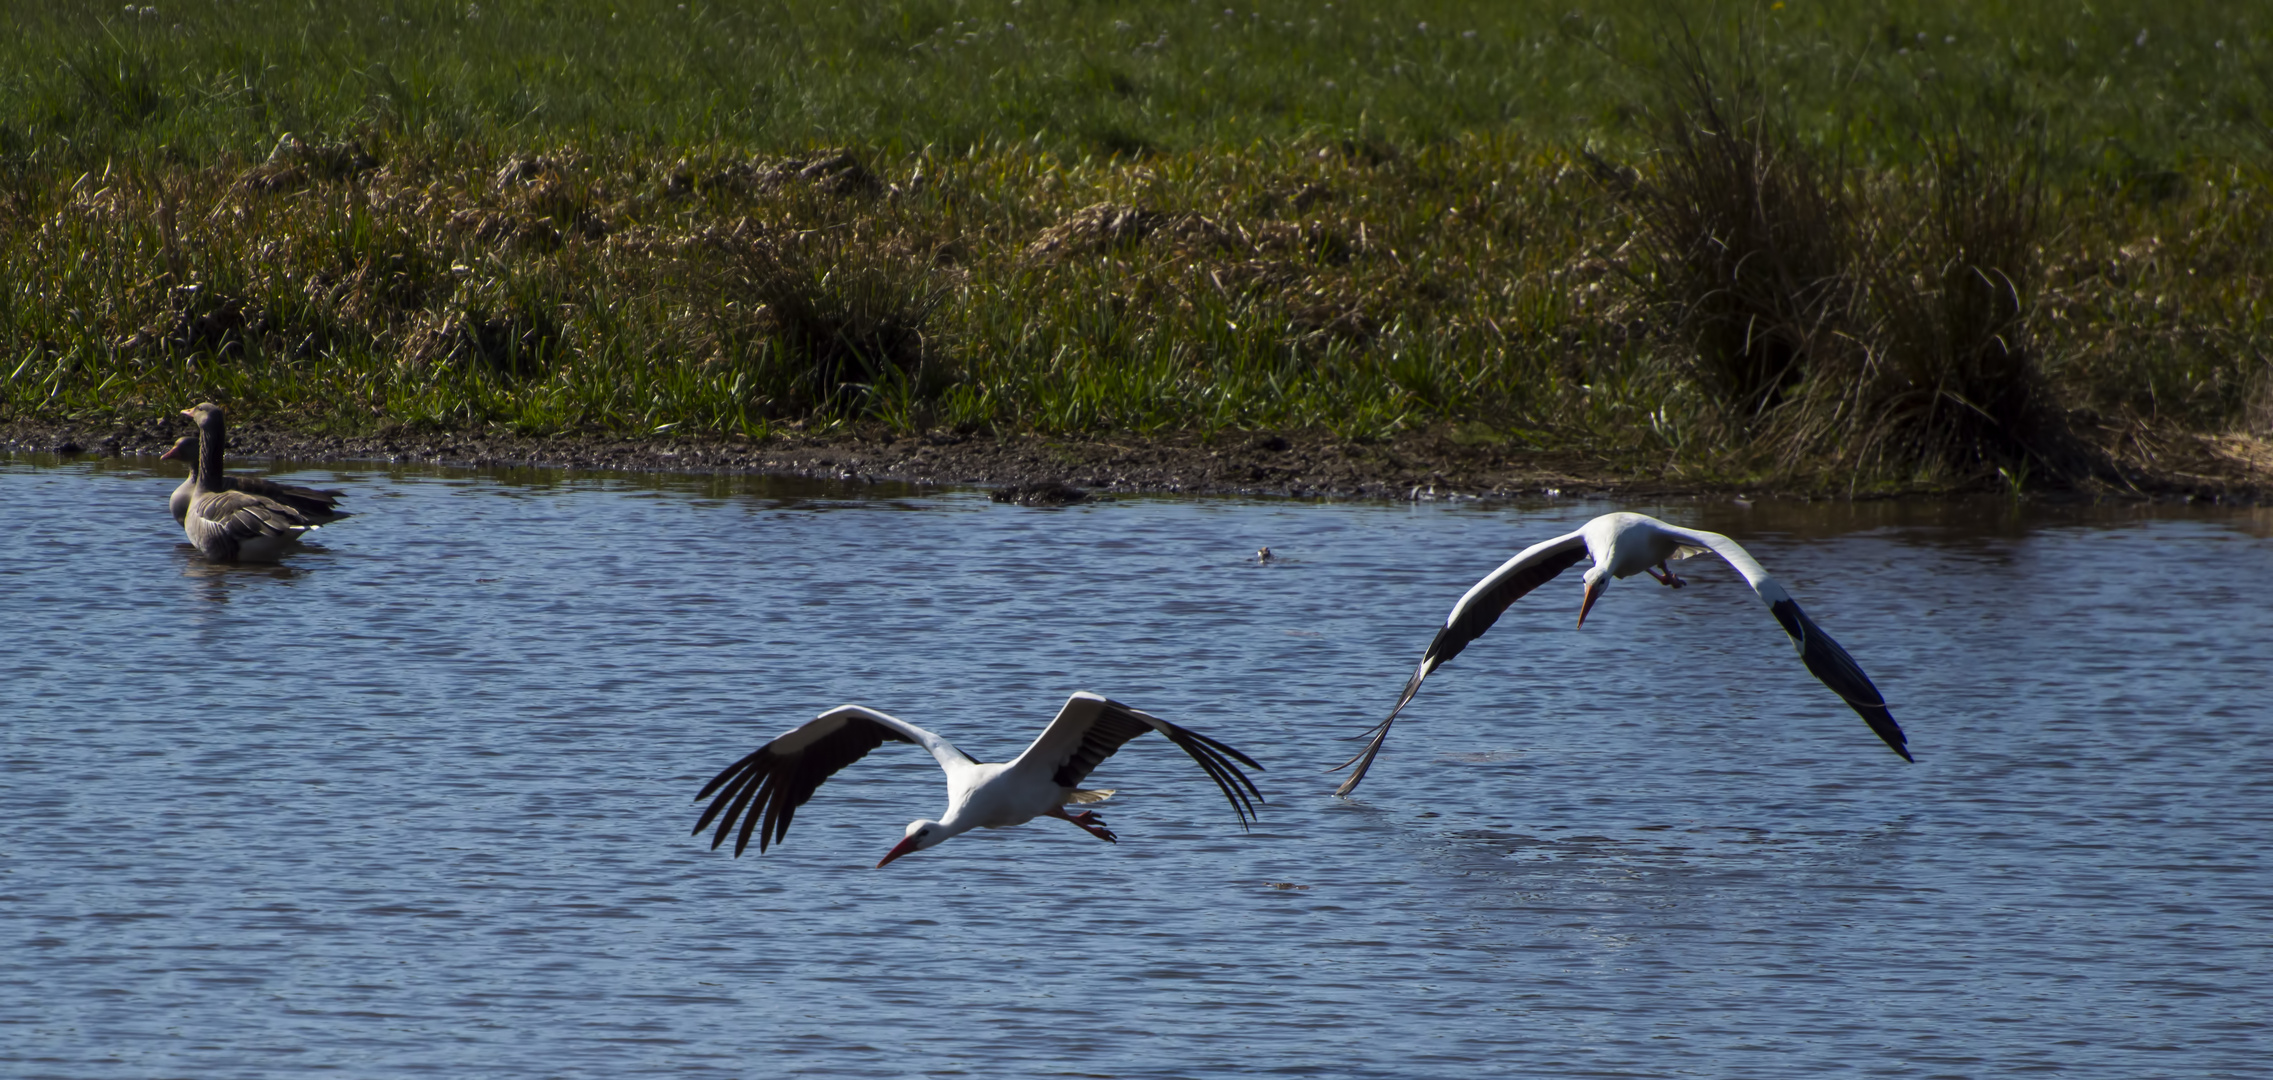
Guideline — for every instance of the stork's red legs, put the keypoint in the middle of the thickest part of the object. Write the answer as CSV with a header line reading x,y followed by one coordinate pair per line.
x,y
1665,576
1089,822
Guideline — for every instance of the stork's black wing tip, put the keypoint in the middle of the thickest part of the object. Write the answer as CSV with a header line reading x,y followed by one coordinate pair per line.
x,y
1882,724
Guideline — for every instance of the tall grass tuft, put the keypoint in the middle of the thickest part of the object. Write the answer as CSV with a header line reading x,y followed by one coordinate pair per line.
x,y
1951,285
841,317
1867,322
1750,234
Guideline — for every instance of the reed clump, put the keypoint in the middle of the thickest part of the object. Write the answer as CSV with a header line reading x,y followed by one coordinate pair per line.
x,y
839,316
1952,379
1869,322
1751,238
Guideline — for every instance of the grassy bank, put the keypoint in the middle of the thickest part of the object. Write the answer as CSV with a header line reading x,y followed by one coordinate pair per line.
x,y
1911,244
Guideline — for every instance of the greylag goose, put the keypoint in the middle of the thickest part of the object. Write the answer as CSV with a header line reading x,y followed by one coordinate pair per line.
x,y
232,526
315,504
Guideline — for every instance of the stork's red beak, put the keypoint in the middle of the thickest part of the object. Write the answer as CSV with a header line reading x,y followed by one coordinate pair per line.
x,y
902,848
1593,591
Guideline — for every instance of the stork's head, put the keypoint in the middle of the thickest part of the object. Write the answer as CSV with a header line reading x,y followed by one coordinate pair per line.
x,y
1597,579
922,833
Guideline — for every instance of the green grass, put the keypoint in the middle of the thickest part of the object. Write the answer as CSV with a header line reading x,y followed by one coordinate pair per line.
x,y
2132,86
575,215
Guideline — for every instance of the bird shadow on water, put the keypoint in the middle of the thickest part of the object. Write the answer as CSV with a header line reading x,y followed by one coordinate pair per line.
x,y
1634,868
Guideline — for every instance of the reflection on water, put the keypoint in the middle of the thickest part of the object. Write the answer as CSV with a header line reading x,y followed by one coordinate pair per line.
x,y
418,801
218,576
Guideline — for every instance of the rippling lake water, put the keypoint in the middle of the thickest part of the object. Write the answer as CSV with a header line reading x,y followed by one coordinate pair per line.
x,y
417,802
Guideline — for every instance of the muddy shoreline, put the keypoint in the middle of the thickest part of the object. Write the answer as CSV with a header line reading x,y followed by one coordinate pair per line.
x,y
1297,464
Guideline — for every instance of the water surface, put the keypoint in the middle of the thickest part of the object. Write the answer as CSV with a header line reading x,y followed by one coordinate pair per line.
x,y
417,802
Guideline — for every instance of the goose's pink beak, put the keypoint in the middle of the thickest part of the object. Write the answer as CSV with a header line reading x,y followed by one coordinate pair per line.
x,y
171,453
1593,592
902,848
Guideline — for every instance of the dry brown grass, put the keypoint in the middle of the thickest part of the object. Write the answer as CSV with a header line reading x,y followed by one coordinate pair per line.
x,y
1752,238
1486,286
1899,321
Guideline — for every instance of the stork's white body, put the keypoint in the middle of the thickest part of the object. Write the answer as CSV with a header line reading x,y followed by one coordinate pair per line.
x,y
781,775
1621,546
996,795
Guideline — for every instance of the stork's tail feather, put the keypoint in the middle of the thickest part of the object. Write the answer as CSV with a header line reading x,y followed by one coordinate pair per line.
x,y
1366,734
1373,735
1364,760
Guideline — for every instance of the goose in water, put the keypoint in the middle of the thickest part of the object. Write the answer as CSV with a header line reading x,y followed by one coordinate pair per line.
x,y
232,526
317,505
1621,546
764,789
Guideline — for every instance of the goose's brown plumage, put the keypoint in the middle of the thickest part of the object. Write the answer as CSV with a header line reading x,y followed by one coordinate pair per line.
x,y
318,505
232,525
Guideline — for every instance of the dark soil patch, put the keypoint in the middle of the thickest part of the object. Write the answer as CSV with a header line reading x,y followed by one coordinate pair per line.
x,y
1036,470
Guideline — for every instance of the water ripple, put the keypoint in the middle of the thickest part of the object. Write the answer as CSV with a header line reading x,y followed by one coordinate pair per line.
x,y
417,802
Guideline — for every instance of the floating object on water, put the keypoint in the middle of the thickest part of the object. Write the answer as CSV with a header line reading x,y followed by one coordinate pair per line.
x,y
317,505
783,774
1040,493
1263,555
1623,545
230,525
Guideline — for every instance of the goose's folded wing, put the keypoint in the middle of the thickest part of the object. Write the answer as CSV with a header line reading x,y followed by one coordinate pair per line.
x,y
244,516
317,504
1090,728
764,789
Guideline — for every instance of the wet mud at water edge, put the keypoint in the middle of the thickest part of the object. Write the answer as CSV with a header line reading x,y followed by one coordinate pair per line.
x,y
417,801
1414,465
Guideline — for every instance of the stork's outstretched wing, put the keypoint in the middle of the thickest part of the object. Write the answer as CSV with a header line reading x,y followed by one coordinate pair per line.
x,y
1475,613
1823,656
1089,728
783,774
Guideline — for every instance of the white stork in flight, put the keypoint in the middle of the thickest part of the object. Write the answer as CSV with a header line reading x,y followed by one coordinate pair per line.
x,y
1623,545
765,789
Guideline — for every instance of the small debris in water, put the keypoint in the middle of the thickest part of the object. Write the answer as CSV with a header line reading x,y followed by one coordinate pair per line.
x,y
1262,555
1040,493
